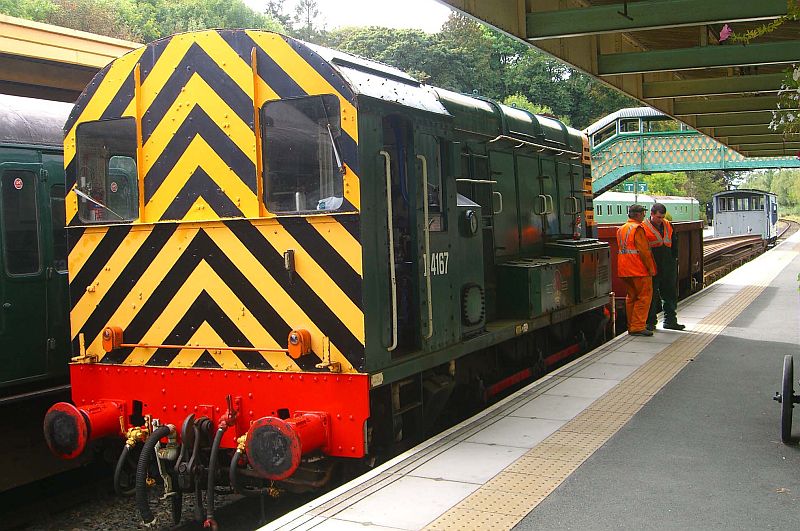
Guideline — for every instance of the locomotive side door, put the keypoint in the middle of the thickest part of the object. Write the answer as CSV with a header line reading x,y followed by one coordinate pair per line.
x,y
504,204
23,295
532,204
570,197
439,270
549,189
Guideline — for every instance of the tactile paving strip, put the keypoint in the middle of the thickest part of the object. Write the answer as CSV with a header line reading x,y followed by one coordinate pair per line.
x,y
513,493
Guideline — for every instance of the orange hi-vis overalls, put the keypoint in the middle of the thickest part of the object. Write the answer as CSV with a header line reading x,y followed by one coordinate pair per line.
x,y
635,267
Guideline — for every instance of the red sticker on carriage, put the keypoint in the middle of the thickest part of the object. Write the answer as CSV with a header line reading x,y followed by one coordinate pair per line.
x,y
18,183
114,187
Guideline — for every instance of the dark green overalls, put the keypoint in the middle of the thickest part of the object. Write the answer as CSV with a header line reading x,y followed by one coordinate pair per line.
x,y
665,283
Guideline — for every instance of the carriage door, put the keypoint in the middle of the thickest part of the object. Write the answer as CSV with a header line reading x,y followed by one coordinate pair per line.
x,y
23,293
438,266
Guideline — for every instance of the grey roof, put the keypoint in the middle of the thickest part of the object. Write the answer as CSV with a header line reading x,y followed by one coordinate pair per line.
x,y
381,81
630,112
32,121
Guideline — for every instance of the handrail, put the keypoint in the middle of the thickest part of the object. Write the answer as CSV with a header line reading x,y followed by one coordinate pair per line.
x,y
393,278
541,147
543,204
500,196
427,232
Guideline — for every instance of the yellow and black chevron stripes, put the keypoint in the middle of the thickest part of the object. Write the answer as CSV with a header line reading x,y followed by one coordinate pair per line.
x,y
196,111
106,97
221,284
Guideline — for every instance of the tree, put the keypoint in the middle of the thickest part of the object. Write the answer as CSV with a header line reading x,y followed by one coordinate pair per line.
x,y
274,9
306,14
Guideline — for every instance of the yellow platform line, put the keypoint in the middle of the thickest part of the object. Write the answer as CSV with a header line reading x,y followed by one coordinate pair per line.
x,y
513,493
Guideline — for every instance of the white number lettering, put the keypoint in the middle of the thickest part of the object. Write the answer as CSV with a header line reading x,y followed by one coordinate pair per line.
x,y
439,263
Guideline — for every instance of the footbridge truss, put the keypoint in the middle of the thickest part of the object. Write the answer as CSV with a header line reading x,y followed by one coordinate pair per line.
x,y
643,140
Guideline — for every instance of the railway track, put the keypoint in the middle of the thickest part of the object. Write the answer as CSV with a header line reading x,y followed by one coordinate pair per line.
x,y
722,255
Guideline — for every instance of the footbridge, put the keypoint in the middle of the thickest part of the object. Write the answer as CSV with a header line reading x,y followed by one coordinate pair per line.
x,y
643,140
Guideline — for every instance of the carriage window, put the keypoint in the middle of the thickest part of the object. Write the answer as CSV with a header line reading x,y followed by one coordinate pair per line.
x,y
302,159
20,222
741,204
107,184
58,218
730,205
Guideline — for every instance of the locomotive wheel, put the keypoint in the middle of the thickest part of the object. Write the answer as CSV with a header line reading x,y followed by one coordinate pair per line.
x,y
787,399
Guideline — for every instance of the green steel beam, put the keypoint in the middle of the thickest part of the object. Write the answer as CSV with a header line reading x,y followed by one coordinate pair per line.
x,y
699,57
647,15
769,138
744,118
743,130
769,153
727,105
712,86
768,146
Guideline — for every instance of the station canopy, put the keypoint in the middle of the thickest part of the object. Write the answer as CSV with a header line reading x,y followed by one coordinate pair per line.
x,y
671,55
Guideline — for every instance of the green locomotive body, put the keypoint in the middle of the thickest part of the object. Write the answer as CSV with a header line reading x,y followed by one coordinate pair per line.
x,y
312,249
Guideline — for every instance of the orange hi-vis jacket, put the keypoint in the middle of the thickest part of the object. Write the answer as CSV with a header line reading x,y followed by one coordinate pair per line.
x,y
654,237
634,258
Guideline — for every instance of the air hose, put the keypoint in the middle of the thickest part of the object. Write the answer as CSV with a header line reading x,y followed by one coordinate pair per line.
x,y
141,474
118,473
212,472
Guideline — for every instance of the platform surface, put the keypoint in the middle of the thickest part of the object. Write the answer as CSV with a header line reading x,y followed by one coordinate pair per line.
x,y
677,431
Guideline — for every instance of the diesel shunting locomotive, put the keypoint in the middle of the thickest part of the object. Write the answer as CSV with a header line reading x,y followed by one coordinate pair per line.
x,y
283,258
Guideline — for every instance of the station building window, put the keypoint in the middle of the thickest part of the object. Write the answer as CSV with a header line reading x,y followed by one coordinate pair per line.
x,y
599,209
107,185
619,209
629,125
303,168
608,209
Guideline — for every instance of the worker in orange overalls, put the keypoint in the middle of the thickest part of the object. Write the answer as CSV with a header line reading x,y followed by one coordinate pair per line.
x,y
635,267
665,255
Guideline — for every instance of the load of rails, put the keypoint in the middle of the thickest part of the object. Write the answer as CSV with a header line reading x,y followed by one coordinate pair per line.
x,y
286,260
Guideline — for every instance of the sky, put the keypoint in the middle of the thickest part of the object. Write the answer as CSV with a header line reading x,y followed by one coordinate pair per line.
x,y
427,15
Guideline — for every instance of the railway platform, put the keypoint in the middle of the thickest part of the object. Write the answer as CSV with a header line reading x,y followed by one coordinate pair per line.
x,y
674,431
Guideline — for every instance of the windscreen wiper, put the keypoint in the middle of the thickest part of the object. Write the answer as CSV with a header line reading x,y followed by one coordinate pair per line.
x,y
335,150
86,196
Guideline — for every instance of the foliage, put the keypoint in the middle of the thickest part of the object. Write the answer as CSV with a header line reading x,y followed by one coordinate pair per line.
x,y
701,185
306,18
464,56
140,20
521,102
787,117
792,13
785,184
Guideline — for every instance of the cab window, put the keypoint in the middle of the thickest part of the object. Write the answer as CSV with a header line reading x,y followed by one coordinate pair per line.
x,y
303,168
107,185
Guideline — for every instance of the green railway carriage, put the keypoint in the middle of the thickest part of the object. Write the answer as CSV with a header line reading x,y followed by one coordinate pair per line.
x,y
310,255
34,345
612,207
